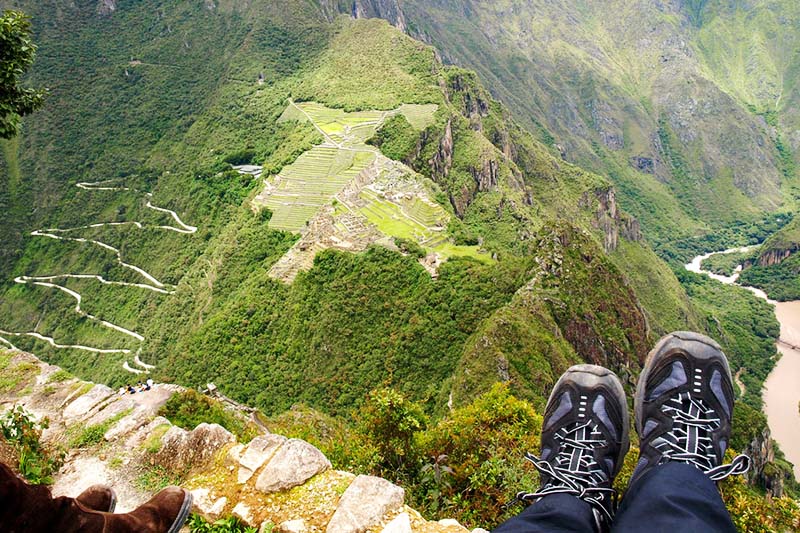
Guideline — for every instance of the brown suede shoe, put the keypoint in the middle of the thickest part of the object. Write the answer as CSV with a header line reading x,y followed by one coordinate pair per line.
x,y
163,513
99,498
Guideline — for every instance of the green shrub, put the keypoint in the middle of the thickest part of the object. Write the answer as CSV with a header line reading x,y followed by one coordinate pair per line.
x,y
397,138
390,421
190,408
410,247
197,524
474,458
37,464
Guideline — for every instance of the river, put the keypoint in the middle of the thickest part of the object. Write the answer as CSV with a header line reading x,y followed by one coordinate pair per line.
x,y
782,388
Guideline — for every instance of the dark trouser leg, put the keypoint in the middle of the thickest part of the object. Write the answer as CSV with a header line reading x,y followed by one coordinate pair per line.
x,y
557,513
671,498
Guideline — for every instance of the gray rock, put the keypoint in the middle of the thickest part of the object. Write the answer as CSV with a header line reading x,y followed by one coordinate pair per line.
x,y
400,524
258,452
451,522
183,449
133,421
111,410
208,506
293,526
136,438
364,504
294,463
242,511
82,405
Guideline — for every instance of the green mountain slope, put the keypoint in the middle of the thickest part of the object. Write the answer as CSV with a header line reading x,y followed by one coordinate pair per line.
x,y
164,241
688,107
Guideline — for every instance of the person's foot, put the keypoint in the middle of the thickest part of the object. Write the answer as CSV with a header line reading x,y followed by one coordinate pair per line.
x,y
99,498
165,512
584,438
683,407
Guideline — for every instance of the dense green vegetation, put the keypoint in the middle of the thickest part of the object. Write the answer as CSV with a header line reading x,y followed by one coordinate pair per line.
x,y
781,282
190,408
18,54
726,264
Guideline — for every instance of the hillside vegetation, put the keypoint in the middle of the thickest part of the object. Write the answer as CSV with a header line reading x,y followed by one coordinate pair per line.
x,y
131,244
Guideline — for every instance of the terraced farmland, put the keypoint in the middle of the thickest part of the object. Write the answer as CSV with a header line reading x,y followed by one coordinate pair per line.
x,y
311,182
390,219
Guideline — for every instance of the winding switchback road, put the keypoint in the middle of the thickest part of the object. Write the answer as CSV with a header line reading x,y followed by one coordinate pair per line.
x,y
152,284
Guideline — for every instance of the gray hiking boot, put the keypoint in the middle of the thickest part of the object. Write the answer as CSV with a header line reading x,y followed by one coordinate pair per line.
x,y
683,405
584,439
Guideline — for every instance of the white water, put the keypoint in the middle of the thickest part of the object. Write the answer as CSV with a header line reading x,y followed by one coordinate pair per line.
x,y
782,387
46,281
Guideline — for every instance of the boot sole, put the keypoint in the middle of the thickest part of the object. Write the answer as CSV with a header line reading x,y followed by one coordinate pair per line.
x,y
183,513
695,345
113,504
590,377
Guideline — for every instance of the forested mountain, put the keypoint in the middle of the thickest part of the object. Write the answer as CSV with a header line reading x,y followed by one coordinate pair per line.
x,y
689,107
302,204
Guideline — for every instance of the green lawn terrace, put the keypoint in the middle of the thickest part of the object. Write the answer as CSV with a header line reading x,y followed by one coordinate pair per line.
x,y
298,191
410,216
352,129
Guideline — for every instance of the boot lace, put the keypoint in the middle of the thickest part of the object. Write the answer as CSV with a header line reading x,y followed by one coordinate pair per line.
x,y
690,440
574,470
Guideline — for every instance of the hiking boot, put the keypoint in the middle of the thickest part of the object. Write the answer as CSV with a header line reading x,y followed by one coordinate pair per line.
x,y
99,498
683,405
584,439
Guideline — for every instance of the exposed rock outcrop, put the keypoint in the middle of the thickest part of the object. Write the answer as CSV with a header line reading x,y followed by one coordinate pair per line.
x,y
363,504
609,219
776,256
106,7
763,473
386,9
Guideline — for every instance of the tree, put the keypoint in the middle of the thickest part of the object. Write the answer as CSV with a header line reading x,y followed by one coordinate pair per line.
x,y
17,52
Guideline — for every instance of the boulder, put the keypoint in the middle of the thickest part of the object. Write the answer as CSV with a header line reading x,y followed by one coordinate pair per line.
x,y
82,405
111,410
451,522
243,512
258,452
294,463
293,526
364,504
401,524
132,421
207,505
183,449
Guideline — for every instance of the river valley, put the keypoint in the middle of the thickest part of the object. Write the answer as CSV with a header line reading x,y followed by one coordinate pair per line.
x,y
782,388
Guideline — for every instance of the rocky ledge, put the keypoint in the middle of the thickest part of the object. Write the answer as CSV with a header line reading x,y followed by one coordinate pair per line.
x,y
271,482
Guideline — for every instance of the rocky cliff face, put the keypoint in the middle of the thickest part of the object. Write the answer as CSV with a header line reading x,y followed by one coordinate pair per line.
x,y
386,9
763,473
270,482
775,256
609,219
